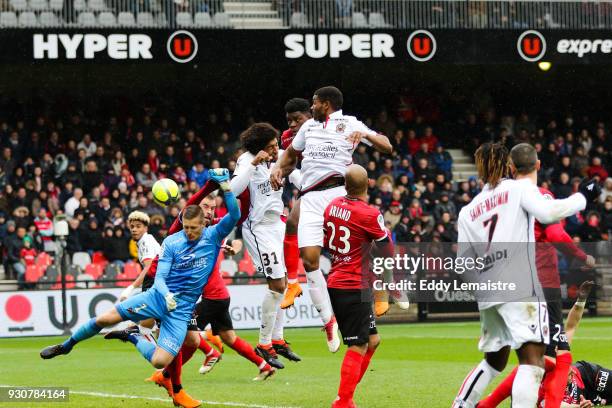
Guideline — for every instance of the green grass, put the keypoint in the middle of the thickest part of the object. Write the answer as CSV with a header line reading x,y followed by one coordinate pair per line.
x,y
417,365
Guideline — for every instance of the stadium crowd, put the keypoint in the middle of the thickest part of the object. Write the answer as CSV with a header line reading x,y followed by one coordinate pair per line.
x,y
96,172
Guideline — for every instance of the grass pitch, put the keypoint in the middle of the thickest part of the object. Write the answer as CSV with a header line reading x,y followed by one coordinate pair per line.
x,y
417,365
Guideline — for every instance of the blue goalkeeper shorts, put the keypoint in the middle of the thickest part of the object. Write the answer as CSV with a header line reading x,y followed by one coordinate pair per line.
x,y
151,304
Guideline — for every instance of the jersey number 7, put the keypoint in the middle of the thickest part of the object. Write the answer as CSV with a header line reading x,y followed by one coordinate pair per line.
x,y
493,222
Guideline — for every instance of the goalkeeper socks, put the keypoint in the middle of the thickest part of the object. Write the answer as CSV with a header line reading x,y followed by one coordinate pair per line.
x,y
366,362
292,257
317,287
144,346
555,381
526,386
279,325
349,375
475,384
84,332
269,309
245,350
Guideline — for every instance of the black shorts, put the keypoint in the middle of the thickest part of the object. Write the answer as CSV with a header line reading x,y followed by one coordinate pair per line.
x,y
214,312
558,338
147,283
354,315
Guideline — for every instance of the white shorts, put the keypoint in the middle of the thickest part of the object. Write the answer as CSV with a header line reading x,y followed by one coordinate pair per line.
x,y
264,241
312,209
513,324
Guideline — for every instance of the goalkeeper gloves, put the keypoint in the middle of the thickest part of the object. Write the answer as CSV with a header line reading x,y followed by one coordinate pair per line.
x,y
221,177
170,301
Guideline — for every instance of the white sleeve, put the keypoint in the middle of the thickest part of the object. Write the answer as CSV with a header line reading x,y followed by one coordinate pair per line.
x,y
149,248
295,178
242,174
299,141
548,211
359,126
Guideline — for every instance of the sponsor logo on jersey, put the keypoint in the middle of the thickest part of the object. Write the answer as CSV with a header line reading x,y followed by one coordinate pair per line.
x,y
137,309
325,150
603,381
265,188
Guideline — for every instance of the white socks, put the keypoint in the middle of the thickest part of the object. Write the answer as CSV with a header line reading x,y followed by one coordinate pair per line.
x,y
269,309
279,325
474,385
526,385
317,287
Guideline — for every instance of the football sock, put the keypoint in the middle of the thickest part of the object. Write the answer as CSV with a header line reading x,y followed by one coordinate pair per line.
x,y
203,346
526,385
269,308
144,346
503,391
554,389
84,332
366,362
279,325
317,287
245,350
292,257
474,385
349,374
175,368
187,352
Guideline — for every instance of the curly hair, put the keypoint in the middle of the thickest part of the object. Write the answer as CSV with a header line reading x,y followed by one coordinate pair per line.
x,y
257,137
139,216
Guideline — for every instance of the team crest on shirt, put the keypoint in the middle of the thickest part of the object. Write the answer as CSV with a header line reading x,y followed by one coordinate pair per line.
x,y
340,127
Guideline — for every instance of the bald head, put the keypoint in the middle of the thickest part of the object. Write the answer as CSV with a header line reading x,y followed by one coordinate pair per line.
x,y
356,180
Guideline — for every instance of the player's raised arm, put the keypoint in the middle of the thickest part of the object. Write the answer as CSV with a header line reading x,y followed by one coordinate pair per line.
x,y
284,166
195,199
228,222
163,266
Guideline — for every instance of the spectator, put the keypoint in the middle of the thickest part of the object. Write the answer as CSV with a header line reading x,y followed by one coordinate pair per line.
x,y
115,246
44,226
562,188
393,214
14,244
83,212
199,174
73,241
443,161
445,206
597,170
423,172
91,237
145,177
88,145
28,258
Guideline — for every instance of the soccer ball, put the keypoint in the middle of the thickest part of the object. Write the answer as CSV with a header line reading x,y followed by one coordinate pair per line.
x,y
165,192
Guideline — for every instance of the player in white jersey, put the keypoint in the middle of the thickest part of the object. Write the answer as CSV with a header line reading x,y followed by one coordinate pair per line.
x,y
148,253
263,232
501,218
327,142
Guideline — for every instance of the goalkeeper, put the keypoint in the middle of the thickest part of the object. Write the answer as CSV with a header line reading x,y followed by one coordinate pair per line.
x,y
185,264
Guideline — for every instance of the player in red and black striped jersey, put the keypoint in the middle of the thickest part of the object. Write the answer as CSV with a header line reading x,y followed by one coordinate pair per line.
x,y
349,224
298,112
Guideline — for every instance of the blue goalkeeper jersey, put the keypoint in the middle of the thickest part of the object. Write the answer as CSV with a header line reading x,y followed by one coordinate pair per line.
x,y
184,266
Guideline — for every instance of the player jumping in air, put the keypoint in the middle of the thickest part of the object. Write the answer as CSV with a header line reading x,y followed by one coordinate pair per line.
x,y
504,212
549,238
327,142
263,232
184,267
349,224
298,112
